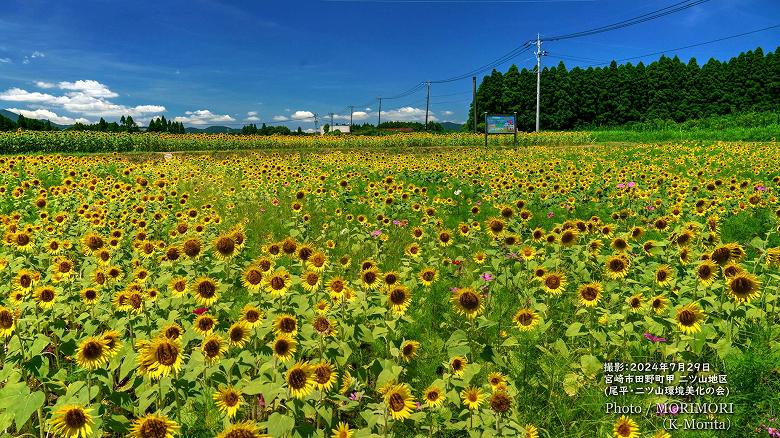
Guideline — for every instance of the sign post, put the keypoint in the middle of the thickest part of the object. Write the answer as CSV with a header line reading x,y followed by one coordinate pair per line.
x,y
501,124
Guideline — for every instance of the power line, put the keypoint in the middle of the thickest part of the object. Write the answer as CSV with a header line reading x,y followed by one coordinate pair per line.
x,y
671,9
599,62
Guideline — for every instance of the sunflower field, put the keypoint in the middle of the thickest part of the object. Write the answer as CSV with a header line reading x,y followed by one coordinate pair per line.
x,y
21,141
451,292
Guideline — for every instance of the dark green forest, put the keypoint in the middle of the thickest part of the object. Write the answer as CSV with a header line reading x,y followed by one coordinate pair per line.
x,y
667,89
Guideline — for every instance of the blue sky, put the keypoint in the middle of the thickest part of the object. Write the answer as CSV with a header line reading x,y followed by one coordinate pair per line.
x,y
209,62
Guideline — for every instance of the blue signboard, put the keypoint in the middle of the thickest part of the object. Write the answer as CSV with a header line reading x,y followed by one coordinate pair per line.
x,y
501,124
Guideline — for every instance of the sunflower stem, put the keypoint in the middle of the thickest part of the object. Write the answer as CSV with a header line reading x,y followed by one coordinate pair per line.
x,y
89,386
40,421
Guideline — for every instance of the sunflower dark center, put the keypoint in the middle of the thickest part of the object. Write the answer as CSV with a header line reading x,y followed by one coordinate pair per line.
x,y
225,245
589,293
288,325
616,265
206,289
525,318
205,324
252,315
277,283
705,271
469,301
289,247
92,350
432,396
172,333
662,275
312,279
337,286
254,277
6,319
398,296
369,277
281,347
322,374
240,433
231,398
428,275
321,324
25,281
305,253
408,349
153,428
721,255
75,418
166,354
624,430
298,378
94,242
552,282
192,248
500,402
741,286
212,348
687,318
47,295
236,334
396,402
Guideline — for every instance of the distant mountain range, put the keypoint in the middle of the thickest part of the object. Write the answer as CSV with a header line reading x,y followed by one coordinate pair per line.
x,y
212,130
448,126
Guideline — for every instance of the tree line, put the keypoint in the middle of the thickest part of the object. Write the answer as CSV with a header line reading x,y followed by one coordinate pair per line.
x,y
667,89
23,122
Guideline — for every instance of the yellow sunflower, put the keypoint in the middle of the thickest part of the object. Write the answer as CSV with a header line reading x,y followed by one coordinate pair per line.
x,y
159,357
324,376
467,302
300,380
284,347
7,322
153,426
399,401
589,294
744,287
92,352
71,421
433,396
399,297
526,319
408,350
472,397
228,400
206,291
626,428
689,318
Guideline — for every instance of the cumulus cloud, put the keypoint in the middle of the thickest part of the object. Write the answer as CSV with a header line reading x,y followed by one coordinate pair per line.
x,y
5,60
48,115
408,114
251,116
280,118
447,113
89,88
302,115
86,97
37,54
203,117
357,115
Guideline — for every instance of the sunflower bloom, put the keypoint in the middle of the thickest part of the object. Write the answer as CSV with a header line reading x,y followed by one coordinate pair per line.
x,y
72,421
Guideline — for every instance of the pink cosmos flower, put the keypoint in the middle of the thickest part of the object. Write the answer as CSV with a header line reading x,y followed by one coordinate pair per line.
x,y
631,184
487,276
550,214
621,186
200,310
653,338
376,233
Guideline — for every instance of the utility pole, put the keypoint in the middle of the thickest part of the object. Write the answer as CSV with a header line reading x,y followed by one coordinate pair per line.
x,y
427,102
474,100
351,110
316,123
331,120
539,55
379,114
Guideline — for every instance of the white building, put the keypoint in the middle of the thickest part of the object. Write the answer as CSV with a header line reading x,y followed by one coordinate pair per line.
x,y
344,129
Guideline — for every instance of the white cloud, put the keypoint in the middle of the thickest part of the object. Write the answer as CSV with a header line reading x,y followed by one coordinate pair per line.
x,y
37,54
203,117
252,119
309,131
86,97
408,114
368,109
45,114
280,118
26,60
89,88
251,113
5,60
302,115
447,113
19,95
357,115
